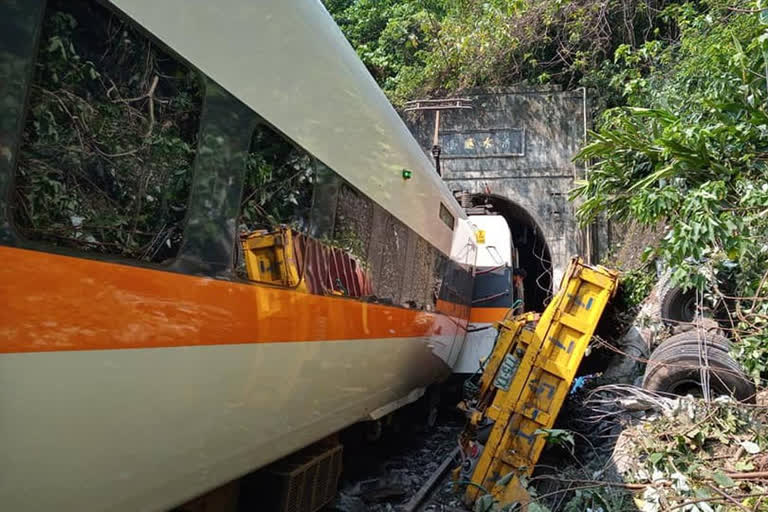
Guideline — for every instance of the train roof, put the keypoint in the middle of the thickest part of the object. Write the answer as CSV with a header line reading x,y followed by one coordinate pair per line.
x,y
289,62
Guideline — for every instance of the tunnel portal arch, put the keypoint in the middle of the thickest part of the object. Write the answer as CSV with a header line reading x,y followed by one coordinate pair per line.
x,y
533,252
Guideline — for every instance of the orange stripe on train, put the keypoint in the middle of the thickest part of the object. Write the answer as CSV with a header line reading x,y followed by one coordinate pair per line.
x,y
53,303
487,315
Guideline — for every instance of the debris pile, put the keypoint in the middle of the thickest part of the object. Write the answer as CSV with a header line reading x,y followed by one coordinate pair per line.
x,y
670,453
695,455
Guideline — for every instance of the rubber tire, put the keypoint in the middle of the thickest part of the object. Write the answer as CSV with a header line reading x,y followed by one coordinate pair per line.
x,y
676,306
675,363
713,340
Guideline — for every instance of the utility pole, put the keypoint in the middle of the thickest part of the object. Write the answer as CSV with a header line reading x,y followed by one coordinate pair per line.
x,y
588,230
438,105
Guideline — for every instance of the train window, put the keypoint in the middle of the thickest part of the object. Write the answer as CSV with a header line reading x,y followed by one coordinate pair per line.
x,y
278,182
277,191
446,216
105,164
210,232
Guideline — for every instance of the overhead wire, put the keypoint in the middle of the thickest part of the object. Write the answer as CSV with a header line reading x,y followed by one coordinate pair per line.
x,y
547,266
704,372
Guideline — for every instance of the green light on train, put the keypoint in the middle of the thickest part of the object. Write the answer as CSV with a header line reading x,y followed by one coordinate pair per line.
x,y
407,174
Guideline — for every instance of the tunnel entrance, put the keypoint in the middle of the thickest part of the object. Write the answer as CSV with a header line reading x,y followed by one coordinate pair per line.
x,y
533,253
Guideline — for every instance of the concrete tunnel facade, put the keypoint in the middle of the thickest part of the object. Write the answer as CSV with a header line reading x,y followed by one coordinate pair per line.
x,y
514,149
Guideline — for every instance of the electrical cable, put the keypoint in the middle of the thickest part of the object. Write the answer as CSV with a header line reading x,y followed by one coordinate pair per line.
x,y
704,373
547,266
488,270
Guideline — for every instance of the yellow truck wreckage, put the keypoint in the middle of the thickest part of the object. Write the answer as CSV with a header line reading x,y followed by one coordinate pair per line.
x,y
270,258
525,379
524,383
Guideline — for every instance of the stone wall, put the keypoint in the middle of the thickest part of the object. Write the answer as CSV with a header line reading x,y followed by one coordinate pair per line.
x,y
517,144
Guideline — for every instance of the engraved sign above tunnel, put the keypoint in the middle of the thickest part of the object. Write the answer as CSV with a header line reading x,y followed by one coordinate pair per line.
x,y
493,143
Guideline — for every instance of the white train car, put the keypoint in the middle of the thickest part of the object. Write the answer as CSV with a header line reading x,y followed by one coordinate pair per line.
x,y
138,366
495,289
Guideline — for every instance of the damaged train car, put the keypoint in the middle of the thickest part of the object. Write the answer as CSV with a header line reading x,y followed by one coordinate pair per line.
x,y
220,244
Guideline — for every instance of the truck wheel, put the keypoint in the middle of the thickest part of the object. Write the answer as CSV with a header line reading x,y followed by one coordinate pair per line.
x,y
694,338
674,367
678,306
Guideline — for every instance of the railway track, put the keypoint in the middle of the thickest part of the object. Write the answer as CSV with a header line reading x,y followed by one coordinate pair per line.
x,y
407,470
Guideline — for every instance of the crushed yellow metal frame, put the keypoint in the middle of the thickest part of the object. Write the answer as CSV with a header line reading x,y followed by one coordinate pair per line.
x,y
270,258
527,378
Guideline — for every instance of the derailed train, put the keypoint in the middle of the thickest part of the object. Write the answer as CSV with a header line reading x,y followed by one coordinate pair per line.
x,y
135,381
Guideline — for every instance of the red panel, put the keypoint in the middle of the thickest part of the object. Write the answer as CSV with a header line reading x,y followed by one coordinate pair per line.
x,y
325,265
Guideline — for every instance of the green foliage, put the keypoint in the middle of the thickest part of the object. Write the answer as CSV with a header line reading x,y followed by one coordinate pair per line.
x,y
557,437
607,499
752,350
686,455
108,147
689,150
416,47
537,507
635,286
278,181
110,141
393,38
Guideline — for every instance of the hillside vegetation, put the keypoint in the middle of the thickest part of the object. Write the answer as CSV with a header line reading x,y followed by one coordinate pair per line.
x,y
681,126
423,47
